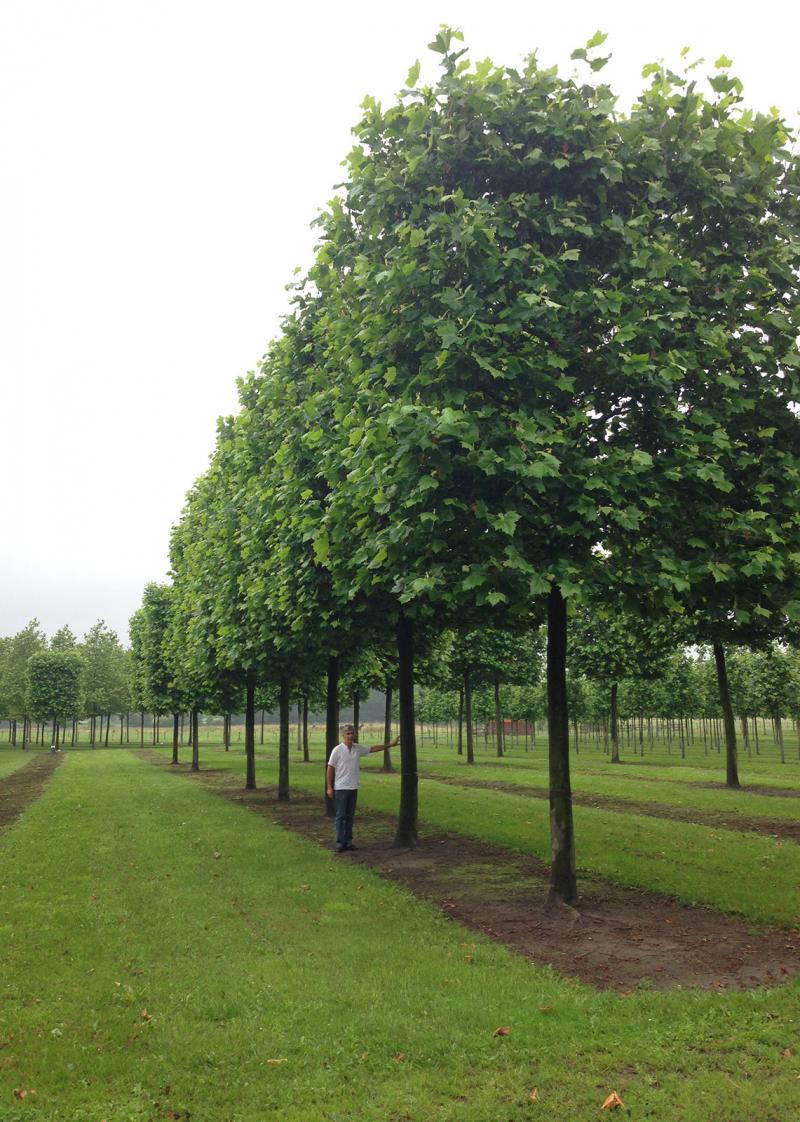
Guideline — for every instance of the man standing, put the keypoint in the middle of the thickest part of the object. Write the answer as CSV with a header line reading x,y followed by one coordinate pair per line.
x,y
344,767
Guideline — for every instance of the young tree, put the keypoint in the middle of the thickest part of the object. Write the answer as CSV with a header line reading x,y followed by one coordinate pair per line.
x,y
54,687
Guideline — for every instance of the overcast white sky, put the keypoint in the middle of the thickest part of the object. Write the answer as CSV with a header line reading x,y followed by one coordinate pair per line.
x,y
161,163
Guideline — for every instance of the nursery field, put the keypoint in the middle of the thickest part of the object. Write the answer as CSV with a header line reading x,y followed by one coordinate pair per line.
x,y
176,948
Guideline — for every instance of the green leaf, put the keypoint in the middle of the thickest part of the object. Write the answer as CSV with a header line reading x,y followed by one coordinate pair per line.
x,y
413,75
496,598
506,522
597,39
723,63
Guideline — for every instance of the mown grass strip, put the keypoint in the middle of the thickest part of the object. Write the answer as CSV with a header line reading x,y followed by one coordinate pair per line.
x,y
743,874
665,792
12,759
162,945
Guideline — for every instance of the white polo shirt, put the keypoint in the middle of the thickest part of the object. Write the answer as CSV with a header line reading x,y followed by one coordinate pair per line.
x,y
346,763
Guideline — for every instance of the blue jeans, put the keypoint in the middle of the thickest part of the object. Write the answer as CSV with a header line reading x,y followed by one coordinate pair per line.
x,y
345,812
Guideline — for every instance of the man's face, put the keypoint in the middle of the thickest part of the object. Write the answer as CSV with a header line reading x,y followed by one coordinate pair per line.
x,y
348,738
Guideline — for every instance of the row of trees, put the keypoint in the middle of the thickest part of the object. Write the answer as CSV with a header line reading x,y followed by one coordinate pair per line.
x,y
62,680
546,358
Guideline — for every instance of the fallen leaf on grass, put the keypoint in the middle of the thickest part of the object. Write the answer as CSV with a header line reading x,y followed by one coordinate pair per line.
x,y
547,1008
20,1094
468,958
787,1052
364,1057
612,1102
275,1063
146,1016
505,1031
534,1095
217,856
399,1057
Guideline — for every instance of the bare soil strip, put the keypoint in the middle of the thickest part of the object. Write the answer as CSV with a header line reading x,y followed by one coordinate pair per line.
x,y
617,938
772,827
25,785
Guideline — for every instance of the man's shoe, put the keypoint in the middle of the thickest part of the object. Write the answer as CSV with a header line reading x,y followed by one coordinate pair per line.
x,y
351,847
340,848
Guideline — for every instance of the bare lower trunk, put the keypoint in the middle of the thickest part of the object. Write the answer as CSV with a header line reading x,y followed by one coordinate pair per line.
x,y
614,725
195,738
498,719
331,724
563,880
461,721
731,749
407,818
250,734
305,728
176,728
387,728
468,717
283,742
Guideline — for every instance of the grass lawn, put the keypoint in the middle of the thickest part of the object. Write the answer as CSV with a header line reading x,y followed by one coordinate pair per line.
x,y
11,759
745,874
634,784
162,946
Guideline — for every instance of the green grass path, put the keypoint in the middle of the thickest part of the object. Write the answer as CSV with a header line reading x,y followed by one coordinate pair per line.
x,y
161,945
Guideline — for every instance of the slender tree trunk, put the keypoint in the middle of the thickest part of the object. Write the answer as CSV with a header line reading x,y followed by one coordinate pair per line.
x,y
262,727
176,728
331,725
250,732
195,738
387,728
498,719
141,728
731,749
407,818
461,721
779,737
283,742
305,728
356,713
468,717
108,728
614,725
14,734
563,880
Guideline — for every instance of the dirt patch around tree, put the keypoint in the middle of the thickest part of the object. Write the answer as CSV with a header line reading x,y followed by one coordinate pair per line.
x,y
615,939
782,828
24,786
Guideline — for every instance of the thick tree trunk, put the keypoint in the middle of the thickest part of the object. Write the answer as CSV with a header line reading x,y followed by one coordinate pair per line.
x,y
498,719
250,733
387,728
305,728
283,743
406,834
563,880
194,736
331,725
731,749
176,728
468,717
614,725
